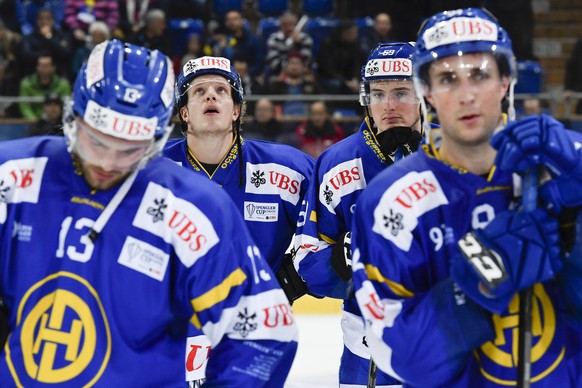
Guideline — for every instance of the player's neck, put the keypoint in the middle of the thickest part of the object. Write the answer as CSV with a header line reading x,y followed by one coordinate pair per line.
x,y
210,149
475,159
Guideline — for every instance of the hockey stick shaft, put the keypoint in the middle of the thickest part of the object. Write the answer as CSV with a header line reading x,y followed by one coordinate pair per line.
x,y
530,191
372,374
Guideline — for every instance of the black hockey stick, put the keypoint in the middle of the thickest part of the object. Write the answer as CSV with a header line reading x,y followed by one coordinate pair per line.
x,y
372,374
530,201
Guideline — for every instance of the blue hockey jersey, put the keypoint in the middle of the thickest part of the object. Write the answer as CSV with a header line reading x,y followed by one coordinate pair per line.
x,y
116,311
275,182
404,232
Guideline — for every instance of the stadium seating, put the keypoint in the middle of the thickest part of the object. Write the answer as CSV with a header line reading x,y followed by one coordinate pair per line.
x,y
221,7
364,24
529,77
180,31
319,28
266,27
317,8
271,8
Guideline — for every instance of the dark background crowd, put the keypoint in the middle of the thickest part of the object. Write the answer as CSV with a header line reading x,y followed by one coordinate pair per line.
x,y
43,43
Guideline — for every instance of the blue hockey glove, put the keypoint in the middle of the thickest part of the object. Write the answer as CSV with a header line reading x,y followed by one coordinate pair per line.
x,y
516,250
341,257
535,140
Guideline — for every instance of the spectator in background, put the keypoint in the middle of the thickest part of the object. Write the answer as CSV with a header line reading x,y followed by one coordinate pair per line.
x,y
44,81
282,42
251,85
573,77
10,69
217,44
45,38
153,34
193,49
27,12
51,120
243,42
79,14
532,106
318,133
98,32
294,80
266,126
381,32
339,60
132,16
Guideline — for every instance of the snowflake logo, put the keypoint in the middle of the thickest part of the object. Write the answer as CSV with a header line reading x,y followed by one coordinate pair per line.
x,y
393,222
246,325
372,68
328,195
98,118
4,189
157,211
438,34
190,67
258,178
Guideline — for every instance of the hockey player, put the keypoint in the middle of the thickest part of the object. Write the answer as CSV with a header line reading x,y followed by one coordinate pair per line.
x,y
391,130
110,252
441,243
267,181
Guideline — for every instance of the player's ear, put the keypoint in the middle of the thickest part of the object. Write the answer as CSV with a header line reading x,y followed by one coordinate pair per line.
x,y
184,113
236,112
503,86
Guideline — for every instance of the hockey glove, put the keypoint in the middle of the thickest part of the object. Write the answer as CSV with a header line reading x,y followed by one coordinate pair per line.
x,y
404,137
341,257
290,281
516,250
535,140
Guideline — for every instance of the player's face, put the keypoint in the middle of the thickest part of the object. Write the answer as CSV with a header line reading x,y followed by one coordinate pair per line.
x,y
466,91
394,104
210,109
106,160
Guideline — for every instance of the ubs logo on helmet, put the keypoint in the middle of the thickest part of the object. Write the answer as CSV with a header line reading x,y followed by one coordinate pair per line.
x,y
372,68
439,34
62,335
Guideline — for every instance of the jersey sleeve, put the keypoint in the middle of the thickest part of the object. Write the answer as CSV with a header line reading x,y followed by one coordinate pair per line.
x,y
419,330
323,224
238,306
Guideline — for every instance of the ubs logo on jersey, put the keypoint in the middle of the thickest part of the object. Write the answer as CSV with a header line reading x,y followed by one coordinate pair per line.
x,y
273,178
402,204
62,333
197,354
343,179
20,181
498,358
177,222
278,315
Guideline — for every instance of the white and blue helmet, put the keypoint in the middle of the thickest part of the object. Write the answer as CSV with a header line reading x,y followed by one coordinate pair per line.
x,y
386,61
125,91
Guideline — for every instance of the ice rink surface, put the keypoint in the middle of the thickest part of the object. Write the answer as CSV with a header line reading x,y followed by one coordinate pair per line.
x,y
320,344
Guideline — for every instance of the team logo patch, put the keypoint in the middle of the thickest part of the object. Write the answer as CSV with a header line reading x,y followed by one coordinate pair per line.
x,y
180,223
461,29
246,323
260,211
143,257
273,178
62,335
397,213
20,181
343,179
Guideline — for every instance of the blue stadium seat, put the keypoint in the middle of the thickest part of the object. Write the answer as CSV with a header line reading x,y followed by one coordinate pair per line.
x,y
319,29
270,8
529,77
317,8
221,7
180,31
266,27
364,24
